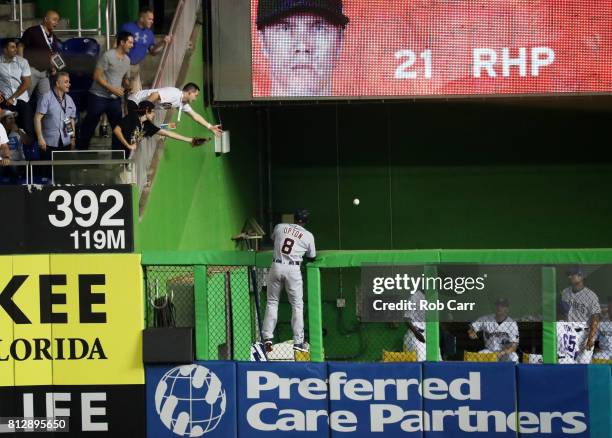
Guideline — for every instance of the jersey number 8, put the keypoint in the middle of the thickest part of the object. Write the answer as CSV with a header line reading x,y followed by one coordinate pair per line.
x,y
287,246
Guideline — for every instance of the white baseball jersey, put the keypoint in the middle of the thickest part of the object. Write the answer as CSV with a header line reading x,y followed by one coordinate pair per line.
x,y
292,242
167,96
497,336
582,305
417,316
568,341
3,137
604,335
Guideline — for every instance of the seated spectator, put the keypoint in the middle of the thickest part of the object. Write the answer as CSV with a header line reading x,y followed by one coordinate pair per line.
x,y
144,42
38,44
15,78
501,334
138,124
11,139
170,97
54,119
110,81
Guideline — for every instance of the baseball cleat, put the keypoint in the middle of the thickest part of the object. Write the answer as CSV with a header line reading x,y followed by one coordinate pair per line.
x,y
300,347
268,345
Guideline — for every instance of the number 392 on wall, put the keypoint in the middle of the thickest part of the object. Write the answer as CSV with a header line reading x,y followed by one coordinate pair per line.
x,y
90,219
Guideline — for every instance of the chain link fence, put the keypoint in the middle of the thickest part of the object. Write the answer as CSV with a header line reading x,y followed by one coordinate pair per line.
x,y
235,299
584,313
347,336
170,291
504,324
231,327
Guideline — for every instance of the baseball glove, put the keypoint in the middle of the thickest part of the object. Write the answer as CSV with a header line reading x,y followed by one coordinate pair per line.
x,y
199,141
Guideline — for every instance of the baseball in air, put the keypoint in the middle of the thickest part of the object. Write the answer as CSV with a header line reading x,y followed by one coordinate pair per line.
x,y
356,201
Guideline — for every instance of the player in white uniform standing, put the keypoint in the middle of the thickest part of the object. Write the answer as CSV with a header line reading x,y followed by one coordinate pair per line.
x,y
567,336
604,335
415,337
583,310
291,243
501,334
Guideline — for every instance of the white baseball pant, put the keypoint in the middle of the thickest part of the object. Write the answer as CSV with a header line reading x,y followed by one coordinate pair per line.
x,y
289,277
411,343
584,355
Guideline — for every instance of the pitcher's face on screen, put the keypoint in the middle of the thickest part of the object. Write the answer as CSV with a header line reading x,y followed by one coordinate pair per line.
x,y
302,50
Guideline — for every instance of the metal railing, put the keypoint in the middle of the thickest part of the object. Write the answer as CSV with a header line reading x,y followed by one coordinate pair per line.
x,y
123,171
167,76
110,16
14,11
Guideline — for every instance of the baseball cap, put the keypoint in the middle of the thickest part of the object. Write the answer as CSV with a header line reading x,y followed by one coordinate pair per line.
x,y
269,11
301,215
502,302
574,270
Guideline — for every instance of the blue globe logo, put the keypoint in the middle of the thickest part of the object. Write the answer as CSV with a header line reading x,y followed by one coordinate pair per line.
x,y
190,400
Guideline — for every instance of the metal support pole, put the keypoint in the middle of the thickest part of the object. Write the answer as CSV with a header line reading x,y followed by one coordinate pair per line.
x,y
114,17
14,7
106,20
79,17
99,17
20,16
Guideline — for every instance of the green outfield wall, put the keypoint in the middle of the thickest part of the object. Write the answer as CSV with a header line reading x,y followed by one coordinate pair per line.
x,y
198,201
445,175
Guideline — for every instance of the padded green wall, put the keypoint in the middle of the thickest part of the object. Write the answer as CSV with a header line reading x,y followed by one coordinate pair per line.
x,y
199,201
445,175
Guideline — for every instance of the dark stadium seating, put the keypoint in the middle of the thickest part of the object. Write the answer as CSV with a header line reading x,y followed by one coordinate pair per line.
x,y
80,55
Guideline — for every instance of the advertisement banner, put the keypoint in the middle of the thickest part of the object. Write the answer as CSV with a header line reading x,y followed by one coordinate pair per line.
x,y
282,399
380,48
192,400
554,400
108,410
71,320
461,399
376,399
258,399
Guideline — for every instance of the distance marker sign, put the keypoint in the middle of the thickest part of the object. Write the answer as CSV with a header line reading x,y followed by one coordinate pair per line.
x,y
67,219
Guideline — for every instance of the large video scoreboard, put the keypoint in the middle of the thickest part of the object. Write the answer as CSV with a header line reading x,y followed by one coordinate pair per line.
x,y
373,49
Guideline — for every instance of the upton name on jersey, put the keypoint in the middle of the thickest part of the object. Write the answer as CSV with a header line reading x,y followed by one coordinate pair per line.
x,y
292,242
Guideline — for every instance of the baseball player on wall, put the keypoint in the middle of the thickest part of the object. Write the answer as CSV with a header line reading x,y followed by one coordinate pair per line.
x,y
291,243
584,310
604,335
501,334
